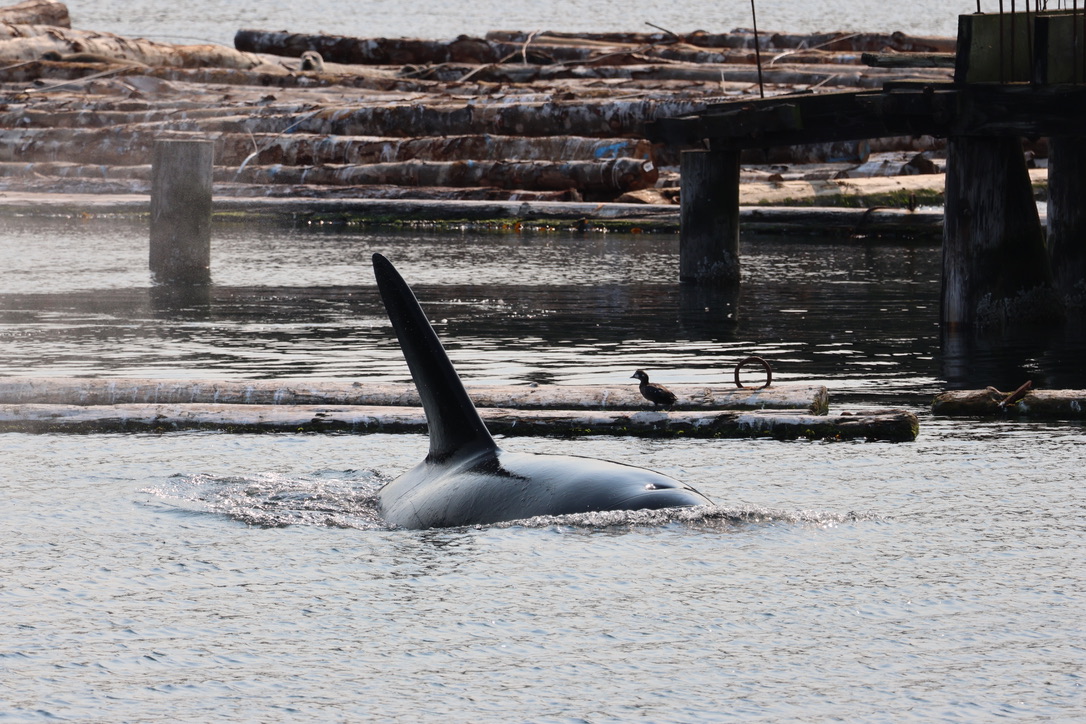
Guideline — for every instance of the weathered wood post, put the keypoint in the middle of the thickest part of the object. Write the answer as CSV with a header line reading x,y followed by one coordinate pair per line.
x,y
995,266
181,173
709,217
1067,217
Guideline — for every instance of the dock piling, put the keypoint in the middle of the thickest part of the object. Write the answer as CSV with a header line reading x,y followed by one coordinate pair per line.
x,y
1067,217
709,217
181,175
995,265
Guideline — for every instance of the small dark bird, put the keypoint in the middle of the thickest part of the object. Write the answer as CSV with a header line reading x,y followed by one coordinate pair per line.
x,y
654,393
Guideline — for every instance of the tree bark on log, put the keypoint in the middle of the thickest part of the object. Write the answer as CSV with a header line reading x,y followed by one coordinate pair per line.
x,y
890,425
79,391
37,12
1037,404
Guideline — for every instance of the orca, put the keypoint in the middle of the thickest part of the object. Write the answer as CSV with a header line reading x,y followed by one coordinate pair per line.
x,y
466,478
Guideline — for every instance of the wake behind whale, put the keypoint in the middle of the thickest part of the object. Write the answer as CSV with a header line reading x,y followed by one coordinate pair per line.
x,y
349,499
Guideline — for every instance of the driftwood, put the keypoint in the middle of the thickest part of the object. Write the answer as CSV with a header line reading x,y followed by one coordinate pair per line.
x,y
892,425
1035,404
37,12
79,391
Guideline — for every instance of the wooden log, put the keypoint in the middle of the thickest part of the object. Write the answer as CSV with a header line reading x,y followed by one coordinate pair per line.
x,y
891,425
840,40
995,267
608,118
605,177
310,192
909,60
31,42
1067,218
611,176
180,250
93,391
1036,404
37,12
119,145
709,236
376,51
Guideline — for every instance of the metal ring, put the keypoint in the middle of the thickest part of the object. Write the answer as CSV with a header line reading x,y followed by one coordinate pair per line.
x,y
763,363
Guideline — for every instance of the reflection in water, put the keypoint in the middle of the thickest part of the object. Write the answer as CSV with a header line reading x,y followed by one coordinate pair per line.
x,y
861,318
179,301
1049,357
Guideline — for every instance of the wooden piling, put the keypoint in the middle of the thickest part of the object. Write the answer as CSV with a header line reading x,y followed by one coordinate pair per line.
x,y
995,267
709,217
181,175
1067,217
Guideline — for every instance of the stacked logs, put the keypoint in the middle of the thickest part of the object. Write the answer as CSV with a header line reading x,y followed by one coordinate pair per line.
x,y
511,116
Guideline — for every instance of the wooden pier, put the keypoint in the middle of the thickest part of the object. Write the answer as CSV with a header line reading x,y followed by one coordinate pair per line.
x,y
1017,75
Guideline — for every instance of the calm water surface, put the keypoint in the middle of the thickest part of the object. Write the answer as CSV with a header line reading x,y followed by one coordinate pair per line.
x,y
218,20
202,577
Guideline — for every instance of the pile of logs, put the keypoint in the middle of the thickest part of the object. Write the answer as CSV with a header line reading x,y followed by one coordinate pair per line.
x,y
509,116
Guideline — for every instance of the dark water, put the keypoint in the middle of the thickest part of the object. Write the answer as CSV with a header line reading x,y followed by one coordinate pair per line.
x,y
201,577
859,317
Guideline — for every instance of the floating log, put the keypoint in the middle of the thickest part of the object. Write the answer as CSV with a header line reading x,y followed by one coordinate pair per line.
x,y
840,40
37,12
615,175
373,51
31,42
893,425
309,192
85,391
909,60
1036,404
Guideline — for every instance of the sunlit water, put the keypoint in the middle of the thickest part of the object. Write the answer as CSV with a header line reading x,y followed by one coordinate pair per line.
x,y
200,576
218,20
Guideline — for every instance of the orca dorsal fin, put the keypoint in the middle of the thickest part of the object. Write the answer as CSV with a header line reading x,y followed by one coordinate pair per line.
x,y
451,416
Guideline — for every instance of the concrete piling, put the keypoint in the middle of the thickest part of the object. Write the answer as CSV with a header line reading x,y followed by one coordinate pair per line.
x,y
181,176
